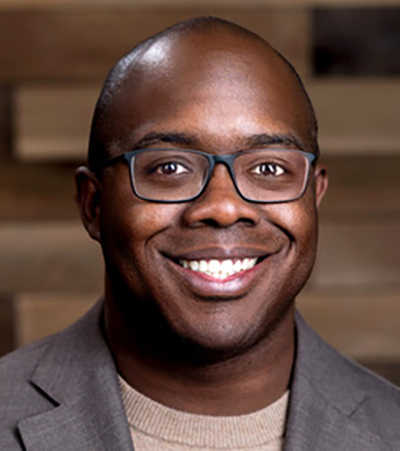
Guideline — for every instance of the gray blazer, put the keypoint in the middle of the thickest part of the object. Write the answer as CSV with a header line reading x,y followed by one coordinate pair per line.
x,y
62,394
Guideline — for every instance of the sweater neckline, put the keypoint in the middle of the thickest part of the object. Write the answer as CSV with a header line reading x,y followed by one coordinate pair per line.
x,y
152,418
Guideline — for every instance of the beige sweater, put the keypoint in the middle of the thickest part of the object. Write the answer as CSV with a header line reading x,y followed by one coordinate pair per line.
x,y
155,427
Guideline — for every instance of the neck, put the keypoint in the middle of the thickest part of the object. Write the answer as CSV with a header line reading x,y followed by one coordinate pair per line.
x,y
221,385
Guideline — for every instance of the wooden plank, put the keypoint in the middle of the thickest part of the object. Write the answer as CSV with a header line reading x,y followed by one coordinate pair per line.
x,y
37,192
7,324
56,4
41,314
6,117
358,116
363,325
363,187
47,256
358,253
369,49
82,44
53,123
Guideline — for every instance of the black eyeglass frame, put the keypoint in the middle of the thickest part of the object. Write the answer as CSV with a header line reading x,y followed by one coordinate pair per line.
x,y
226,160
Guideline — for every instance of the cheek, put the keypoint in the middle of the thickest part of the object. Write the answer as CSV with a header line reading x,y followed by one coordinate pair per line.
x,y
298,221
126,218
147,220
130,234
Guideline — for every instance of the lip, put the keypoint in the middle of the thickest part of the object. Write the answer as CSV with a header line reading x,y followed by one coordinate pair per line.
x,y
208,288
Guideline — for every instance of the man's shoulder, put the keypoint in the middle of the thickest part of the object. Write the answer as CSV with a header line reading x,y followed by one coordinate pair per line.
x,y
16,369
382,398
320,359
336,403
38,377
20,363
17,396
334,380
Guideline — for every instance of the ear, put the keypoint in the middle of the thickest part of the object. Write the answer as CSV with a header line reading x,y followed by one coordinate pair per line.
x,y
87,197
320,182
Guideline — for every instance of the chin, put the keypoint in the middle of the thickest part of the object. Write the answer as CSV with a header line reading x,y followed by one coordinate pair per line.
x,y
218,338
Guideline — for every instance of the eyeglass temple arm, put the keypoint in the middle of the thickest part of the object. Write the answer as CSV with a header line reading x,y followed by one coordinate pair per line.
x,y
108,162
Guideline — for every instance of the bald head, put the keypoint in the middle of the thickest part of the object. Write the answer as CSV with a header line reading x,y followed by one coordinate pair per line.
x,y
168,53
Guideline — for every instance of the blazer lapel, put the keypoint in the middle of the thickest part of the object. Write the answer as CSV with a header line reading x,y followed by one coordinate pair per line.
x,y
78,376
325,400
315,425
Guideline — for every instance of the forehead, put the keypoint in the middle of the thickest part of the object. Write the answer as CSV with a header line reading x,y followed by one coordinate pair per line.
x,y
218,86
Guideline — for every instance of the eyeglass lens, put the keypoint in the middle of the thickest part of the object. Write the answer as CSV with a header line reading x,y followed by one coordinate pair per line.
x,y
178,175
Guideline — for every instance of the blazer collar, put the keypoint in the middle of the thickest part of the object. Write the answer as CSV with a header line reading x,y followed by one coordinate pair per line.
x,y
325,397
78,376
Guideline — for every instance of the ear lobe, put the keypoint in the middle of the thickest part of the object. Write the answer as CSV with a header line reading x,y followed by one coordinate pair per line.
x,y
87,197
320,182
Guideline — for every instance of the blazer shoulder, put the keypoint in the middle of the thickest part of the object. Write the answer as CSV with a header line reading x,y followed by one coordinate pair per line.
x,y
347,400
18,397
382,394
19,364
351,388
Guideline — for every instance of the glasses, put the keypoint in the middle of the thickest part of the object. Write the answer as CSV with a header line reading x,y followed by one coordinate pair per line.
x,y
182,175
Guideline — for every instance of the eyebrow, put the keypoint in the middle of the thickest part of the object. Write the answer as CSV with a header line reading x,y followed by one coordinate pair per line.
x,y
171,138
287,140
249,142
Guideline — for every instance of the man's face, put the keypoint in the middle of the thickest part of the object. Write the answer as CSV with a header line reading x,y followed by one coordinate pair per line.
x,y
219,99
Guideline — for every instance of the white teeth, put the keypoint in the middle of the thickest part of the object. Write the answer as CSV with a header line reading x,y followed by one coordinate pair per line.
x,y
237,266
227,266
214,266
219,269
247,263
194,265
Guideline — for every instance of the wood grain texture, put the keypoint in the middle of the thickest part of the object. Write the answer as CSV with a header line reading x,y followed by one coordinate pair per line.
x,y
53,123
369,49
356,118
83,44
7,324
41,314
364,325
355,254
359,116
6,124
47,256
362,187
57,4
37,192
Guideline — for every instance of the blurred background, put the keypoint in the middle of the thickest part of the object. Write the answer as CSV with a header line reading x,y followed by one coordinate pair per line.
x,y
54,55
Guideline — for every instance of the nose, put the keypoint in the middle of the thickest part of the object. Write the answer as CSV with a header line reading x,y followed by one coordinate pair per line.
x,y
220,205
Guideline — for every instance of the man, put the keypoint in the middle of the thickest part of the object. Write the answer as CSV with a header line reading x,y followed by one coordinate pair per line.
x,y
202,189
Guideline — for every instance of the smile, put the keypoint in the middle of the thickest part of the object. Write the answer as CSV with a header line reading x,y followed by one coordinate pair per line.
x,y
219,269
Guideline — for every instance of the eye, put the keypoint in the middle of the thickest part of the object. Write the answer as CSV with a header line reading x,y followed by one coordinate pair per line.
x,y
171,167
269,169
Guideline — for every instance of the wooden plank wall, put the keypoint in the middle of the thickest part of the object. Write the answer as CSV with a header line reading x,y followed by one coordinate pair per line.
x,y
54,57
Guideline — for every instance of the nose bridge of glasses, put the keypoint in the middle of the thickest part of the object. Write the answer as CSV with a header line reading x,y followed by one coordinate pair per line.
x,y
224,160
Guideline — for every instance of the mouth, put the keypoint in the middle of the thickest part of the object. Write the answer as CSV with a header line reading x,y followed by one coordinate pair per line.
x,y
216,273
220,269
